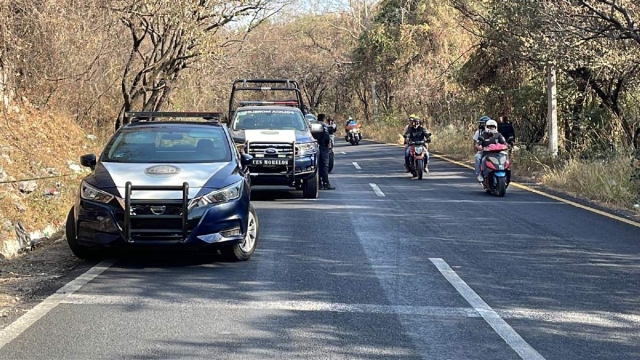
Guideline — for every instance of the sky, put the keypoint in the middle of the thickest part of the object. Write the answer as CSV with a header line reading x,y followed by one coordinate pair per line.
x,y
300,7
322,6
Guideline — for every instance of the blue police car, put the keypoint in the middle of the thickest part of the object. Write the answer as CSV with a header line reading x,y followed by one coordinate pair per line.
x,y
170,183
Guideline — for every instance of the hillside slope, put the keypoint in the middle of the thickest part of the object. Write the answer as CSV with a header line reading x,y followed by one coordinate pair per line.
x,y
39,173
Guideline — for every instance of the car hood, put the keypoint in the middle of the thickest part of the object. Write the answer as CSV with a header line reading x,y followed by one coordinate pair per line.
x,y
197,175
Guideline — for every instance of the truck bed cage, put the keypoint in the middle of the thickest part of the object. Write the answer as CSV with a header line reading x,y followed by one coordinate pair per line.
x,y
288,82
138,116
258,85
292,102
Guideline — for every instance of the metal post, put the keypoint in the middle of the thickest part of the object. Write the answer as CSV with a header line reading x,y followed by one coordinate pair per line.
x,y
552,115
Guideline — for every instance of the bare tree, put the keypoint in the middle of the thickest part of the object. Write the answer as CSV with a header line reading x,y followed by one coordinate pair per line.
x,y
168,36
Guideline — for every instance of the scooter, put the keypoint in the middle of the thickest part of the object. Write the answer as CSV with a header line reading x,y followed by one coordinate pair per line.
x,y
495,168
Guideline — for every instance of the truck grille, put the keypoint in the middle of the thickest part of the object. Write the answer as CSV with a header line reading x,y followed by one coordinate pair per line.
x,y
282,150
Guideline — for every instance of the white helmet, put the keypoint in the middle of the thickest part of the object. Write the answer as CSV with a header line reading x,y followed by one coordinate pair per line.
x,y
491,123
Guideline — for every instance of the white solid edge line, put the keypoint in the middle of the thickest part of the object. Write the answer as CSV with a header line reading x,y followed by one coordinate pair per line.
x,y
376,189
506,332
356,165
17,327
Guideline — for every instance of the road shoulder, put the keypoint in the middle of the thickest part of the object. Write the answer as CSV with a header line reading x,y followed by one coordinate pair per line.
x,y
27,280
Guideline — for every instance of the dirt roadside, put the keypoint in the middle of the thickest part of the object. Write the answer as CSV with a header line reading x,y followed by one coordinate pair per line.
x,y
28,279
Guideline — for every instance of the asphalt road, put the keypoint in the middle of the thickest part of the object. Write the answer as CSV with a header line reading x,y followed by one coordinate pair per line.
x,y
431,269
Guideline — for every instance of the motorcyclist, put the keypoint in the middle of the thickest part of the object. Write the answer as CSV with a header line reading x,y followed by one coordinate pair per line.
x,y
477,147
415,132
410,120
350,124
489,136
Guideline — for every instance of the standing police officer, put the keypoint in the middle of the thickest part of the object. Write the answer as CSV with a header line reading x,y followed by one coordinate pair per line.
x,y
324,142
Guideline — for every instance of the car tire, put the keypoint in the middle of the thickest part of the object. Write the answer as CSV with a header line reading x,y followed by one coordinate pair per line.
x,y
310,187
242,250
81,252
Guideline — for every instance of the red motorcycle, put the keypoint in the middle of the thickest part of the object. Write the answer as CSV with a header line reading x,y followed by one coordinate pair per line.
x,y
417,153
495,168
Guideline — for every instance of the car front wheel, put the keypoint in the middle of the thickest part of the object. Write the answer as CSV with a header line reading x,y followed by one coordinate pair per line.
x,y
243,249
79,251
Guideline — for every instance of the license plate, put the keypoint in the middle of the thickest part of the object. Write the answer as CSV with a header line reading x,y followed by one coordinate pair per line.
x,y
270,162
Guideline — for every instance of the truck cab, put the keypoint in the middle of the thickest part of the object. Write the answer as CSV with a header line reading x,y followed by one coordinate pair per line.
x,y
280,140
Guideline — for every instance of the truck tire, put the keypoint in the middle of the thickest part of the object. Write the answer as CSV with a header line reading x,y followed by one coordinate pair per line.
x,y
310,187
331,157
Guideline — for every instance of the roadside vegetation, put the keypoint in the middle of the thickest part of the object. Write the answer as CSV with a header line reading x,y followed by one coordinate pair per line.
x,y
69,70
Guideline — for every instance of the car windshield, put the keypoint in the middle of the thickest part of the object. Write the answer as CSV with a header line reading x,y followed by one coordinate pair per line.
x,y
268,119
172,144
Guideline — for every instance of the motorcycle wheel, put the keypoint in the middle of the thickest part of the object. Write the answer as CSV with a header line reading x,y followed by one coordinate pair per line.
x,y
420,168
331,156
501,187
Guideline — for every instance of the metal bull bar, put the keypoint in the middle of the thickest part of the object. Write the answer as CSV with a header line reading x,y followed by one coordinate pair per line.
x,y
128,202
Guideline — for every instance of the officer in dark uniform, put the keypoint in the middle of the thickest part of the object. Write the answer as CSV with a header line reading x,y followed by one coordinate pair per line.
x,y
324,142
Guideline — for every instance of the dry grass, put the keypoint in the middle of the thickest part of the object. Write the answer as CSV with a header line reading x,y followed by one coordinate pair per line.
x,y
35,145
607,182
603,181
382,133
448,140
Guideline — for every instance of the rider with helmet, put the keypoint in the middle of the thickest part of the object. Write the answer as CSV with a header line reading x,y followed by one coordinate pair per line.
x,y
415,132
351,124
489,136
477,147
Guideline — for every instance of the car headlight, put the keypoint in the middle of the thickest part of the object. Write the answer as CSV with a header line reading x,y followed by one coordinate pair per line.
x,y
88,192
306,149
223,195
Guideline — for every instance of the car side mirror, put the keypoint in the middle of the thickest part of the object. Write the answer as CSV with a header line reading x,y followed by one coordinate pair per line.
x,y
317,128
89,161
245,159
238,139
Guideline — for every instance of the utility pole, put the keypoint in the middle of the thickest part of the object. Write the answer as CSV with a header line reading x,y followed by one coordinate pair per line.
x,y
552,105
374,97
375,100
